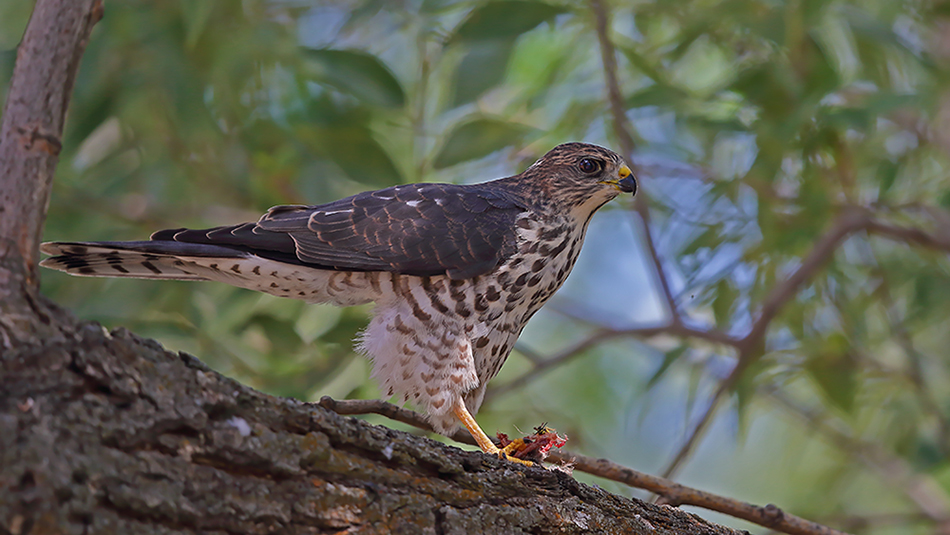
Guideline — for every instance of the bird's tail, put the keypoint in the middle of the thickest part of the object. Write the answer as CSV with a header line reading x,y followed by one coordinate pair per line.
x,y
143,259
171,260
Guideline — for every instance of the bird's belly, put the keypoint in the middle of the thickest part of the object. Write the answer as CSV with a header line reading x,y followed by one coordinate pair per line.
x,y
525,284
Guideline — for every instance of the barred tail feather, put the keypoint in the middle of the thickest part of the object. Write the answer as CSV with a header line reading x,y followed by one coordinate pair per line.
x,y
140,260
190,261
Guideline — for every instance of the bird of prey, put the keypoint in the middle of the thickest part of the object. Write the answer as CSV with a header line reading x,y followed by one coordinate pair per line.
x,y
455,271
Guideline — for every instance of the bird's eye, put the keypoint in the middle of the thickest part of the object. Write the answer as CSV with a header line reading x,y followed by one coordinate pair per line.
x,y
590,165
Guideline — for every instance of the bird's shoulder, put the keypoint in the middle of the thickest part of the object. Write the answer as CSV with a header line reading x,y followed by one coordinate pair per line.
x,y
422,203
418,229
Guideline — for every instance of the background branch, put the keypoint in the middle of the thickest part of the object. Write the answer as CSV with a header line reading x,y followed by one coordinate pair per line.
x,y
927,494
752,345
540,365
623,131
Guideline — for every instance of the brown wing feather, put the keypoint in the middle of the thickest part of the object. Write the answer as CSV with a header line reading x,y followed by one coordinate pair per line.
x,y
416,229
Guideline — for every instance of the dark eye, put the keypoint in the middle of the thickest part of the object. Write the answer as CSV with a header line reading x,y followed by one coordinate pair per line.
x,y
590,165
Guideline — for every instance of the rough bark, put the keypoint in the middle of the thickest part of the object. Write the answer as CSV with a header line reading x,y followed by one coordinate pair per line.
x,y
108,433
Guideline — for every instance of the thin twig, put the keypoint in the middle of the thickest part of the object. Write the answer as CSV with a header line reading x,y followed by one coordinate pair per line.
x,y
675,494
622,129
725,386
602,335
561,357
911,235
752,344
850,220
926,493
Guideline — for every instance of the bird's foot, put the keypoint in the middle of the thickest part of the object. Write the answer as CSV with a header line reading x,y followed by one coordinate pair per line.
x,y
505,453
482,439
534,447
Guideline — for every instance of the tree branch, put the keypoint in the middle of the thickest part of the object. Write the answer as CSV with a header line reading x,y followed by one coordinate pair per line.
x,y
911,235
32,128
674,494
751,346
105,432
602,335
850,220
683,453
926,493
542,366
623,129
609,58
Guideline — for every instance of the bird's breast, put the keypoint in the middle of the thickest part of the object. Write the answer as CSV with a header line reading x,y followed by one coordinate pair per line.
x,y
547,251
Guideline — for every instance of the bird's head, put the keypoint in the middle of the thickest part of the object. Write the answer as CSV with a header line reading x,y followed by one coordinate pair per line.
x,y
581,176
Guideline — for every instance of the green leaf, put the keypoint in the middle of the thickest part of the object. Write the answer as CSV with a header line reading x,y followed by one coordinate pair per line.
x,y
482,67
886,175
477,138
505,19
656,95
195,14
360,156
857,118
437,6
834,371
360,74
874,30
722,303
642,64
280,333
352,320
821,76
668,360
7,59
771,87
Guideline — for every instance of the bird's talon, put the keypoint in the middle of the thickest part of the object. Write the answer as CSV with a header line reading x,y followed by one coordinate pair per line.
x,y
514,446
513,459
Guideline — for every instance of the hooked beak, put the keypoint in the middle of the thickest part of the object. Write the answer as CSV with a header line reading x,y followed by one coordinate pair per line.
x,y
627,183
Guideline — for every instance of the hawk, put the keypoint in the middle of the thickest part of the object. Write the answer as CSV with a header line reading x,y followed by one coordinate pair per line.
x,y
455,271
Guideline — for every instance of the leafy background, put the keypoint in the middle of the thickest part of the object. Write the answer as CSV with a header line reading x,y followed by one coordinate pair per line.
x,y
757,125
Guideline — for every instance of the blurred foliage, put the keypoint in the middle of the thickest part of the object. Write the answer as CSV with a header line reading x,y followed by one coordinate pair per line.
x,y
756,121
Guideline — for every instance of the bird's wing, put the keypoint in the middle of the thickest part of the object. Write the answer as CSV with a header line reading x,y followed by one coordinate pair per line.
x,y
416,229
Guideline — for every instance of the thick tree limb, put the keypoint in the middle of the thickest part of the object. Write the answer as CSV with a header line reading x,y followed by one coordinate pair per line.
x,y
108,433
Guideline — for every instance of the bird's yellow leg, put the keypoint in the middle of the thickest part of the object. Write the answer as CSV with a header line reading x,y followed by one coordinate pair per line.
x,y
481,438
